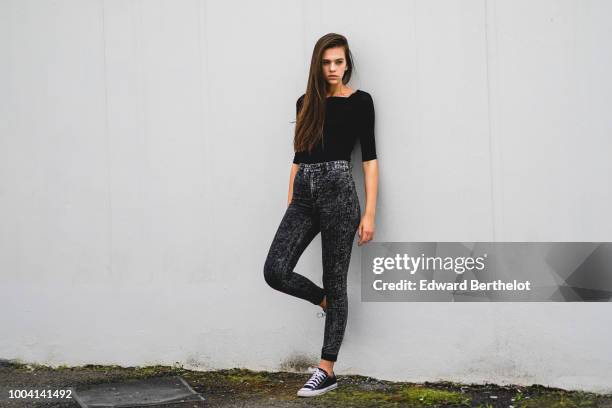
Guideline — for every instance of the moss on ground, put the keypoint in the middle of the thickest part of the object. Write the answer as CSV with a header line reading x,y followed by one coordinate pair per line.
x,y
412,395
258,387
561,399
432,397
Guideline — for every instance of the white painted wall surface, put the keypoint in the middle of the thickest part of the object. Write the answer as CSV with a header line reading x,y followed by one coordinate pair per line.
x,y
145,149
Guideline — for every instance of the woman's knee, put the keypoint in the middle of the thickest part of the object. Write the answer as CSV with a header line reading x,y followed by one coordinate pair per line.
x,y
272,273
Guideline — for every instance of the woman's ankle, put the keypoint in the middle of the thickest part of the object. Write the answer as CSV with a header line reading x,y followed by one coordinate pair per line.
x,y
328,370
323,303
328,366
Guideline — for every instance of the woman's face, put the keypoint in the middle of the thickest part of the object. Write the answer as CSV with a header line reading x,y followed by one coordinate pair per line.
x,y
334,65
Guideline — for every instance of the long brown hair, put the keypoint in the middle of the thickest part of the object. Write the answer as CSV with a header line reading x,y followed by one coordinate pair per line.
x,y
311,117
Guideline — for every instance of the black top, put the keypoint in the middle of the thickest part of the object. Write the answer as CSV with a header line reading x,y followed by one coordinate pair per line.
x,y
346,120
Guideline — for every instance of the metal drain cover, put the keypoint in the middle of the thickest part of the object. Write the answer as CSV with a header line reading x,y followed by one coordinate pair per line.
x,y
136,393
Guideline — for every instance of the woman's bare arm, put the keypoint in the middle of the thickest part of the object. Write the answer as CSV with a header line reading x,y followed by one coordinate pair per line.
x,y
370,178
294,169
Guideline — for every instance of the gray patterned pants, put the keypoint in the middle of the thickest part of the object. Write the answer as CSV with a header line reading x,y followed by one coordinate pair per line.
x,y
324,200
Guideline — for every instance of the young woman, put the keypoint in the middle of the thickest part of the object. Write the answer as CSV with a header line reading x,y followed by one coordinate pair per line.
x,y
322,197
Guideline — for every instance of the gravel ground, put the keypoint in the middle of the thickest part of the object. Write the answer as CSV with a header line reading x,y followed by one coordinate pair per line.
x,y
246,388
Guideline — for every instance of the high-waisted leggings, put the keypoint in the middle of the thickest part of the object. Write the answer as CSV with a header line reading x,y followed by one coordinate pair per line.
x,y
324,200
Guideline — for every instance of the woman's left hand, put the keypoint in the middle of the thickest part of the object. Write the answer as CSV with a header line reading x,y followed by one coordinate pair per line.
x,y
366,229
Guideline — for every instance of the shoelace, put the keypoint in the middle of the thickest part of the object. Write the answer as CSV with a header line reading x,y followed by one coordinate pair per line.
x,y
317,377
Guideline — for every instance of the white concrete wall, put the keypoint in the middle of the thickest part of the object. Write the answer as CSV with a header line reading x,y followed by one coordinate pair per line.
x,y
145,154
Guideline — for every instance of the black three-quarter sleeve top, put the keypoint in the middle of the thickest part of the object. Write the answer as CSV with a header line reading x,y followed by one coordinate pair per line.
x,y
346,120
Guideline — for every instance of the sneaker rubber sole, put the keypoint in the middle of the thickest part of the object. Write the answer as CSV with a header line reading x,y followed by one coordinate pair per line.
x,y
305,392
